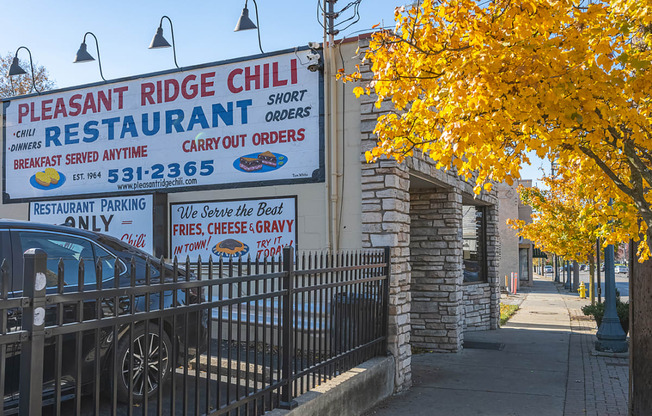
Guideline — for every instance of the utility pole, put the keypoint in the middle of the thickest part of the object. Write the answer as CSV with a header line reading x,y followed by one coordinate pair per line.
x,y
568,284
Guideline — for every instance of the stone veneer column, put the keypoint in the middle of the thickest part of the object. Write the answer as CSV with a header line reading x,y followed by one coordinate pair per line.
x,y
437,313
385,222
493,259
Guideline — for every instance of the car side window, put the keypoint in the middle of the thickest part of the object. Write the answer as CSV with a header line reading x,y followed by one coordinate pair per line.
x,y
109,263
71,250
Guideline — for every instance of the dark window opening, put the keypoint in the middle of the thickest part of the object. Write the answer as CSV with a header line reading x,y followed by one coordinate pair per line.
x,y
474,243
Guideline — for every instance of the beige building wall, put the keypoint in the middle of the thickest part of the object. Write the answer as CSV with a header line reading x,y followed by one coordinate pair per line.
x,y
508,202
511,244
525,214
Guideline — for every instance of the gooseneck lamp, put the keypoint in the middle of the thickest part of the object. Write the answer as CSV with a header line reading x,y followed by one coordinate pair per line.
x,y
158,41
245,23
15,68
84,56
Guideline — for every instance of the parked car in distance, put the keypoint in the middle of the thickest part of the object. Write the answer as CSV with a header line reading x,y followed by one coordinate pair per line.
x,y
622,269
547,269
66,248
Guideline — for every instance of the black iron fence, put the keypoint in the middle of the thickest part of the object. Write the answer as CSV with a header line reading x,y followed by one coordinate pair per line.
x,y
236,337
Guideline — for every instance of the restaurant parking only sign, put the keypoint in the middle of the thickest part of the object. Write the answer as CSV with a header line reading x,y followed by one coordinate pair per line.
x,y
246,123
127,218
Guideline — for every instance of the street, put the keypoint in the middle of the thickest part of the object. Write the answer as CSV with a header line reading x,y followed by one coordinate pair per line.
x,y
622,283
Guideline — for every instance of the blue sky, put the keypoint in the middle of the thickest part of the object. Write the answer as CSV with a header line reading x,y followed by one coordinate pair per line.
x,y
203,31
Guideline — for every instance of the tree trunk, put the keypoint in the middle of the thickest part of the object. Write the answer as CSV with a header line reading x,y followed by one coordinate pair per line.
x,y
576,275
640,309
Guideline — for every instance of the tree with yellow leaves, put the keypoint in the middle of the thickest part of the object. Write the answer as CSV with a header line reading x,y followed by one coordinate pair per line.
x,y
22,84
565,221
568,217
478,85
556,225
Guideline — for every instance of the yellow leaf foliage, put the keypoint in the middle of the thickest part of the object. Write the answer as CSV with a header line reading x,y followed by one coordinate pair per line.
x,y
477,85
570,215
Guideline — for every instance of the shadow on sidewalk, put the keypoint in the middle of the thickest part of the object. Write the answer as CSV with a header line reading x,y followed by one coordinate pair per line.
x,y
526,376
520,369
539,363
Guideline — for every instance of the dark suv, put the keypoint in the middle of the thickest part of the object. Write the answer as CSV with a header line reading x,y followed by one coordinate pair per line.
x,y
141,355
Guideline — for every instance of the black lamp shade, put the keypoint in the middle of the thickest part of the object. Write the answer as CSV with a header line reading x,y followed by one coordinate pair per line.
x,y
244,23
83,55
15,69
158,41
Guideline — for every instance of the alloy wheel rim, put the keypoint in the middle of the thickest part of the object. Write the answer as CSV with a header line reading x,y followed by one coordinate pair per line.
x,y
156,358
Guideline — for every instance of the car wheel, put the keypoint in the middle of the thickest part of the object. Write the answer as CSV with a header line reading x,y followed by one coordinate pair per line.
x,y
144,348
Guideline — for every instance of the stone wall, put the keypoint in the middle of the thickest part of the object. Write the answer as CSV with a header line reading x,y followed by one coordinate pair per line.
x,y
430,307
386,222
477,306
481,301
436,259
493,263
443,307
385,202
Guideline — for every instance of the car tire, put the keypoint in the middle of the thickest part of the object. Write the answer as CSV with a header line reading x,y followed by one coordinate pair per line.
x,y
158,360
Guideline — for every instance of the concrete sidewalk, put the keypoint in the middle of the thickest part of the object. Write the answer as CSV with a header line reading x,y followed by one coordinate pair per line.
x,y
540,363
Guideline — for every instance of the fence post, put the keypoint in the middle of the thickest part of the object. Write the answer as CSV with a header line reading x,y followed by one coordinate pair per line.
x,y
33,321
388,274
287,401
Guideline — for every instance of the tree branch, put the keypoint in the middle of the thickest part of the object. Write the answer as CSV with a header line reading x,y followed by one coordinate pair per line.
x,y
637,195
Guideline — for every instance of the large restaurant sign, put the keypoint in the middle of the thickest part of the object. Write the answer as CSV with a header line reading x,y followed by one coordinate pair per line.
x,y
245,123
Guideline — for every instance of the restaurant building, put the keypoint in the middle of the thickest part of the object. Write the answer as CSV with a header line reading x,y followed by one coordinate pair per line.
x,y
243,157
